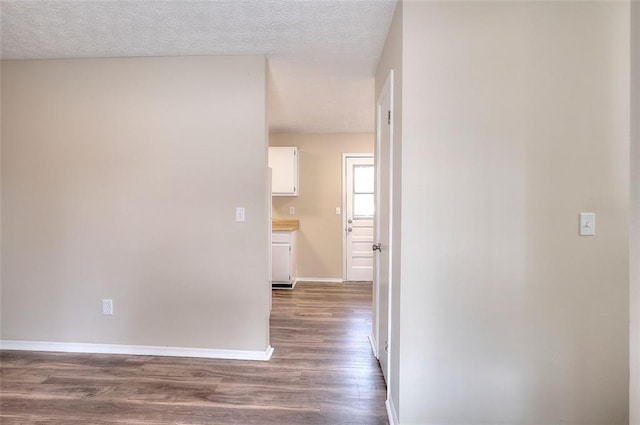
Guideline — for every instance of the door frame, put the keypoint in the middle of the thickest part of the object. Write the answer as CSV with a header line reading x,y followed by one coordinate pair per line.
x,y
344,206
634,230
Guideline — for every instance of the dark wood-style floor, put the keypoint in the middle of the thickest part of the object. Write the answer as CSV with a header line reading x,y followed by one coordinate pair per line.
x,y
322,372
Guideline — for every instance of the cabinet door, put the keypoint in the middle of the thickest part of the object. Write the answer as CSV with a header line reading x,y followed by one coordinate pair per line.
x,y
281,262
284,167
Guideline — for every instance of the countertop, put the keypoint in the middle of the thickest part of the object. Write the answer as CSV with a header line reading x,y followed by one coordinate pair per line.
x,y
284,225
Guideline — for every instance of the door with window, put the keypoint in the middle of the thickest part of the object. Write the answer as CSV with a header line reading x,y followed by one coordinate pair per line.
x,y
359,175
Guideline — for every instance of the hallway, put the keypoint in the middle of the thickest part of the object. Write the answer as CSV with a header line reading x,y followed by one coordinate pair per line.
x,y
322,372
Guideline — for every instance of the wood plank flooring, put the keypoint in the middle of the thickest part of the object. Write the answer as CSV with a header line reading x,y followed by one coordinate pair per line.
x,y
322,372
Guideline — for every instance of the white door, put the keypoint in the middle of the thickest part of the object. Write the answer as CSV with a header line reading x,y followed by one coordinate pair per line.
x,y
359,213
383,219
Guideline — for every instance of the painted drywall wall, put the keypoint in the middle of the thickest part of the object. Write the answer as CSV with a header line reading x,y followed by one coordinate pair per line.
x,y
0,201
515,120
320,192
120,179
391,59
634,232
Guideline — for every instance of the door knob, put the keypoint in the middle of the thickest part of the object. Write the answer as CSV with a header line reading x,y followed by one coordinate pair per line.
x,y
349,221
376,247
349,229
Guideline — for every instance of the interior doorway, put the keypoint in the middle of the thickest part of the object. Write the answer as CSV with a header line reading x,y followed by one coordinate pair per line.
x,y
359,212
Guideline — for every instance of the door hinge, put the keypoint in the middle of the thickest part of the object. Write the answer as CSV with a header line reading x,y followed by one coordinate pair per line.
x,y
389,117
289,249
386,345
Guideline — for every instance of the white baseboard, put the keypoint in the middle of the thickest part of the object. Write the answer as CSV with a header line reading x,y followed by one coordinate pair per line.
x,y
374,346
143,350
391,412
321,279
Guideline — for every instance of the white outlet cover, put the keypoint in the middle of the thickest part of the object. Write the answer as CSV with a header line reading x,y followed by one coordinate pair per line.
x,y
107,307
292,210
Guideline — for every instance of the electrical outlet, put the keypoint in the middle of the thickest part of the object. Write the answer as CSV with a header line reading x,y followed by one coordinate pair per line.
x,y
107,307
292,210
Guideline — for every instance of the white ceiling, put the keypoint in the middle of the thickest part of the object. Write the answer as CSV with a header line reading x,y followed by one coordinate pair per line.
x,y
322,53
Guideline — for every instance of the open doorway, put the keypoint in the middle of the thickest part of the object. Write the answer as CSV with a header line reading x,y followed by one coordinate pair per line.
x,y
319,203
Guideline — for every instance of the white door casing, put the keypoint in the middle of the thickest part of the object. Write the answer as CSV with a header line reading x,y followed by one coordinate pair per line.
x,y
383,225
359,181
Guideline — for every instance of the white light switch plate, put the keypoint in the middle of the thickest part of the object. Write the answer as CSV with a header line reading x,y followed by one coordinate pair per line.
x,y
337,210
587,224
239,214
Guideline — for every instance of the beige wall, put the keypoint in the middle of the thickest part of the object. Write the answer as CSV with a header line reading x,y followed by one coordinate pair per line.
x,y
320,192
634,234
119,180
0,203
391,59
515,119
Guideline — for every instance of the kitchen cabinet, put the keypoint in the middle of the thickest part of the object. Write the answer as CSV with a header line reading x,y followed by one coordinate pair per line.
x,y
283,161
283,259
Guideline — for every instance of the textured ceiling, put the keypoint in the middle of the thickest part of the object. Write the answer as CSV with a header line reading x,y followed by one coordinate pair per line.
x,y
322,53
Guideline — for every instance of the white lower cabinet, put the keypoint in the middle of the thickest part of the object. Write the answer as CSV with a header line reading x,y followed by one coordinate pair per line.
x,y
283,258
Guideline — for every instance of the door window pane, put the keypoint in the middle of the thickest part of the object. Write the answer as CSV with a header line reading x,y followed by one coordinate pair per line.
x,y
363,179
363,205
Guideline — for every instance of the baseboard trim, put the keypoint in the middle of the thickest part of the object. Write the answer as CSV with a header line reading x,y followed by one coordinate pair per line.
x,y
142,350
374,346
391,412
321,279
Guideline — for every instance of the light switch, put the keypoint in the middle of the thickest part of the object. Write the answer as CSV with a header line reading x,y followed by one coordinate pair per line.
x,y
587,224
239,214
337,210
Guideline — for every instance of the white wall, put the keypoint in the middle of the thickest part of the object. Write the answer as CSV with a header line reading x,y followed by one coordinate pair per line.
x,y
634,233
0,201
119,180
515,119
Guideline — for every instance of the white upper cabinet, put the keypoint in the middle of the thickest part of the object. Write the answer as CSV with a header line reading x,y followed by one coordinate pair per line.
x,y
284,167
